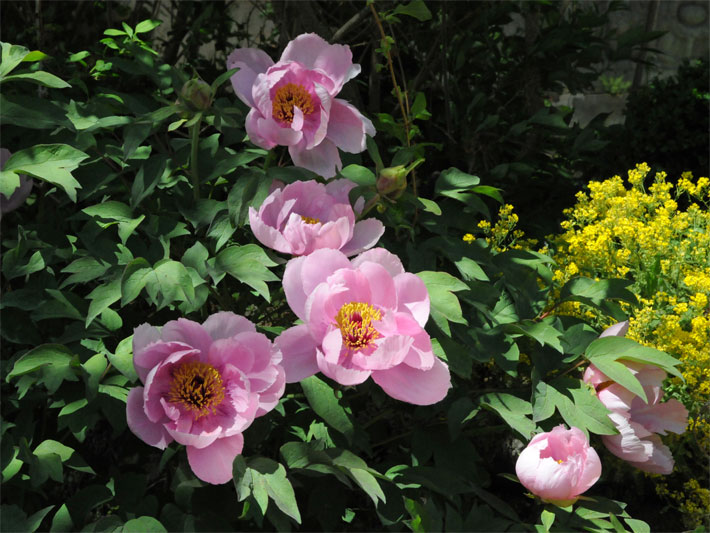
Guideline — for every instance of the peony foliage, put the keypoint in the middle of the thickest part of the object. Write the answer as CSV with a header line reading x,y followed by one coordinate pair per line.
x,y
196,291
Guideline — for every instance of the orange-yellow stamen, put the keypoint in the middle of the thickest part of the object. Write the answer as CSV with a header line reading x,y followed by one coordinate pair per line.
x,y
286,98
309,220
560,461
198,387
355,322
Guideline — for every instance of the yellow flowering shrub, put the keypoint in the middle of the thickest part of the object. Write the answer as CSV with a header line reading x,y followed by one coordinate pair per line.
x,y
642,234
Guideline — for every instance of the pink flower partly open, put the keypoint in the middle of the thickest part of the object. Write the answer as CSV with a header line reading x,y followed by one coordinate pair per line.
x,y
203,386
639,422
293,101
306,215
559,465
362,318
20,194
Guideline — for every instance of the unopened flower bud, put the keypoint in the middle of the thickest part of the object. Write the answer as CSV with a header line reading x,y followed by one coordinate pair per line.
x,y
196,95
392,181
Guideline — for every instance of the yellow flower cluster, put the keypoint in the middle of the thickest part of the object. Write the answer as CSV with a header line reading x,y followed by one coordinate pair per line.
x,y
642,235
503,235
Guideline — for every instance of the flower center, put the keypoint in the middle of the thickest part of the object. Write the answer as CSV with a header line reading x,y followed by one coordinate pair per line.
x,y
198,387
309,220
355,322
286,98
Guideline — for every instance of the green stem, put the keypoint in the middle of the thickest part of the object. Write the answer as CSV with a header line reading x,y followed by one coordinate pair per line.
x,y
270,158
194,147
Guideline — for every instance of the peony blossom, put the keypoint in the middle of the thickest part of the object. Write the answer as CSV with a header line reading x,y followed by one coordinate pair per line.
x,y
559,465
362,318
293,101
639,422
20,194
203,386
307,215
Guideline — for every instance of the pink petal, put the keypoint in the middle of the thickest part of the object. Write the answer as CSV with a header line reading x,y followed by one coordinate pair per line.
x,y
366,233
198,440
213,463
269,398
343,373
412,295
143,336
293,287
388,354
299,353
272,131
381,284
617,330
592,470
154,354
420,387
233,352
340,189
302,276
616,398
323,159
254,132
317,129
594,376
660,461
187,332
149,432
633,441
225,324
347,128
381,256
659,418
251,62
313,52
268,235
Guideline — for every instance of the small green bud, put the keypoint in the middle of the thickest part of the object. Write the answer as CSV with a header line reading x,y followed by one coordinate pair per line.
x,y
392,181
196,95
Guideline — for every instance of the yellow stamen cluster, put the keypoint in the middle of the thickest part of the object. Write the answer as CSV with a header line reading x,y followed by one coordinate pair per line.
x,y
198,387
286,98
309,220
355,322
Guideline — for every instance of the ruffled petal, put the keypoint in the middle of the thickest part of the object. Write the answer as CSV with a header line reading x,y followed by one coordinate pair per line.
x,y
420,387
347,128
412,296
187,332
313,52
322,159
383,257
251,62
149,432
213,463
342,373
366,233
225,324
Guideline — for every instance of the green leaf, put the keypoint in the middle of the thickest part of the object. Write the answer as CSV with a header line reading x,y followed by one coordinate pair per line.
x,y
147,25
248,264
321,397
143,524
470,269
52,163
415,8
277,485
543,332
56,361
614,348
39,77
34,56
62,522
637,526
169,281
12,55
453,180
547,518
101,298
594,292
30,112
487,190
430,206
135,276
359,174
445,306
512,409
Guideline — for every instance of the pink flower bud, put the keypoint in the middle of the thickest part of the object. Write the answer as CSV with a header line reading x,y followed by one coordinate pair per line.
x,y
559,465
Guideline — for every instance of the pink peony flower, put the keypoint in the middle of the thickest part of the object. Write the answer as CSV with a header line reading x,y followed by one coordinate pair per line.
x,y
20,194
204,385
638,421
363,318
293,101
307,215
559,465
